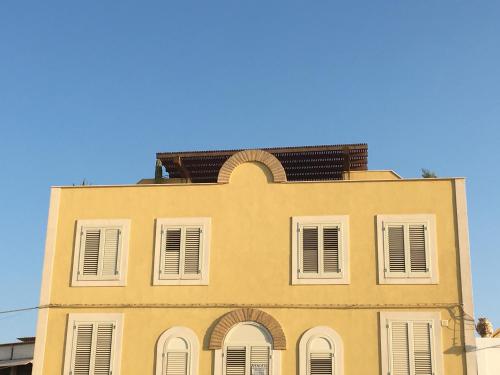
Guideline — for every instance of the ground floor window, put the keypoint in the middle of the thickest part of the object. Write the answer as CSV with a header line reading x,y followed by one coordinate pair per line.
x,y
247,350
93,344
321,352
177,352
410,342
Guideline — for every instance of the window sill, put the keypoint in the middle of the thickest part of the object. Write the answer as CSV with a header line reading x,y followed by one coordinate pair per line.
x,y
96,283
317,281
180,282
408,281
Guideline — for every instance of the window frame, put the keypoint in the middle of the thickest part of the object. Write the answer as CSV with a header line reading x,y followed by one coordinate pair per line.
x,y
321,278
430,277
385,318
122,257
193,351
204,257
248,345
220,354
330,335
93,318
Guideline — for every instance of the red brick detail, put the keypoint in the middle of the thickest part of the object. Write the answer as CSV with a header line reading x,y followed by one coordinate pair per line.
x,y
234,317
264,157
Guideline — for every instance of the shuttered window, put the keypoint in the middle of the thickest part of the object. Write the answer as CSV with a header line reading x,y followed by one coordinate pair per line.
x,y
259,360
248,360
406,250
321,352
320,250
411,347
320,355
236,360
177,352
320,364
181,252
92,345
99,253
176,363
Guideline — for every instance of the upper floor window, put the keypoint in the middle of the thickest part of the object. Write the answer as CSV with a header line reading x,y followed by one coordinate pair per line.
x,y
182,250
321,352
410,343
320,250
101,252
93,344
407,249
177,352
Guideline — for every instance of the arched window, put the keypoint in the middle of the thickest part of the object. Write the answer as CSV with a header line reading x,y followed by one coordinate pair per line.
x,y
177,352
247,350
321,352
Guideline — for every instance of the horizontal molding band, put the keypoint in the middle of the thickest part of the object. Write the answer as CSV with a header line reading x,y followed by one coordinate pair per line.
x,y
256,305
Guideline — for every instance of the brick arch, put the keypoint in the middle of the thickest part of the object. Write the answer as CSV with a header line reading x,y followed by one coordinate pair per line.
x,y
264,157
234,317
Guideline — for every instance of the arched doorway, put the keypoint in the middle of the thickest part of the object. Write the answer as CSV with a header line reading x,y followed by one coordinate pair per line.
x,y
247,342
247,350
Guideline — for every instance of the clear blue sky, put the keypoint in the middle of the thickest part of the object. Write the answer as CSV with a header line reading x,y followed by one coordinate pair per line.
x,y
92,89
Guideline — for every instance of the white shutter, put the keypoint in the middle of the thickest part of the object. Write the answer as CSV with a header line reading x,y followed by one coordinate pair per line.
x,y
331,252
310,249
399,348
99,253
181,252
321,364
82,344
259,358
177,363
93,349
236,360
104,349
90,252
171,252
395,251
422,348
320,251
192,249
110,252
410,348
418,250
406,250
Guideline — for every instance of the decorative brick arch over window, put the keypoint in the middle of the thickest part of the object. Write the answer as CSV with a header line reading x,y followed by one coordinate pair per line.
x,y
245,315
264,157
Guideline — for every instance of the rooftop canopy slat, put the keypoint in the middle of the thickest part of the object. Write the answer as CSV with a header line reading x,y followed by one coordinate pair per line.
x,y
305,163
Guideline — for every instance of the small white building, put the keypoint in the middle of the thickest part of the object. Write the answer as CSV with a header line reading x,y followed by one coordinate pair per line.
x,y
488,356
16,358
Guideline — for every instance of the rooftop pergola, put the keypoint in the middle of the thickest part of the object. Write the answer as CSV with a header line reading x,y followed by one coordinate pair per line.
x,y
308,163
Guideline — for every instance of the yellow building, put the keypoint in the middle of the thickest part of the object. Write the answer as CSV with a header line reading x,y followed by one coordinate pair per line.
x,y
258,262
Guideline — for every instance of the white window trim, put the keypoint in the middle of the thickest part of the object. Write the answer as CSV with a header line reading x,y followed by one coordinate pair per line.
x,y
434,317
116,318
219,362
193,351
122,261
343,222
430,220
330,335
205,223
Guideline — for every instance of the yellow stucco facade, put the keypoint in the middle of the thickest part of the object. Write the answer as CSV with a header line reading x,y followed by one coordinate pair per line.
x,y
250,266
